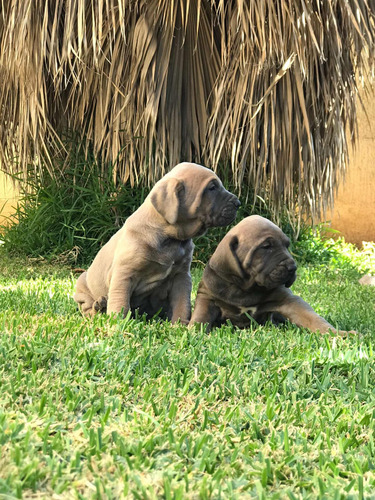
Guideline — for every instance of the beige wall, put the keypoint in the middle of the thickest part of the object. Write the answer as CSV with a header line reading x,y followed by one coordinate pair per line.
x,y
354,210
8,196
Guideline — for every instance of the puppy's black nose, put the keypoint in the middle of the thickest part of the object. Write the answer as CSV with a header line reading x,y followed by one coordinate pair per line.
x,y
237,202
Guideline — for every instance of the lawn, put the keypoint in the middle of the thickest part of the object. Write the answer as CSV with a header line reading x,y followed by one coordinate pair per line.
x,y
111,408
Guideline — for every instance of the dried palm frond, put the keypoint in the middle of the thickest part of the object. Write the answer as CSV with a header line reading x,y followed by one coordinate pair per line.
x,y
266,86
286,92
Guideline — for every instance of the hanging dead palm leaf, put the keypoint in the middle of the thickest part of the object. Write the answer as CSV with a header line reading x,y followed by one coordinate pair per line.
x,y
267,87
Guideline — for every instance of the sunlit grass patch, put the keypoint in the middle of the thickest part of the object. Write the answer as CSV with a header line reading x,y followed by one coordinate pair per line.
x,y
111,408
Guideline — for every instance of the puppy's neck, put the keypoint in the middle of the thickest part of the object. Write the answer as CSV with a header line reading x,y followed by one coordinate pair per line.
x,y
188,229
243,283
181,230
148,221
167,241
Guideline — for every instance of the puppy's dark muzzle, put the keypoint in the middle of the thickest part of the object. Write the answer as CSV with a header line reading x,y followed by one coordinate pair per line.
x,y
236,202
284,273
291,278
229,212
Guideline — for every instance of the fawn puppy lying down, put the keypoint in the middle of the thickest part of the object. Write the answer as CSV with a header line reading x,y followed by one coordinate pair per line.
x,y
249,274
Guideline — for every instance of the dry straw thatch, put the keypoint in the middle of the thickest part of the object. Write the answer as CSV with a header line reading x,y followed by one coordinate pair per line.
x,y
266,87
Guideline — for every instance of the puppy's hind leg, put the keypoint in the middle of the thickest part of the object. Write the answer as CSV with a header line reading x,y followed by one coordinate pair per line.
x,y
85,303
83,296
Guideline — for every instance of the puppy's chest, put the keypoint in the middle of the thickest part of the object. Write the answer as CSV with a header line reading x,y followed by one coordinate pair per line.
x,y
237,303
229,310
174,252
163,265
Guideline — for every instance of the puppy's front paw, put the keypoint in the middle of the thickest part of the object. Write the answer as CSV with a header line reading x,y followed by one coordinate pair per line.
x,y
180,321
343,333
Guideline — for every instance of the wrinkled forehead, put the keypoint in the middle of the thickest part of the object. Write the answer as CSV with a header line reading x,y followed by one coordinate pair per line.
x,y
256,229
194,171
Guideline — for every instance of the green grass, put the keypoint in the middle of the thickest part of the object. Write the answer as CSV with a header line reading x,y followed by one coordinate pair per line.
x,y
110,408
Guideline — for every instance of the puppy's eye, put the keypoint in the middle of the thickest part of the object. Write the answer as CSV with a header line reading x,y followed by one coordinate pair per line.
x,y
266,245
212,187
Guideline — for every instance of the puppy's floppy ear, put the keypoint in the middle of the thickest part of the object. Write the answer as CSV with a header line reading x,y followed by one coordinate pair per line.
x,y
196,203
165,197
226,261
249,258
